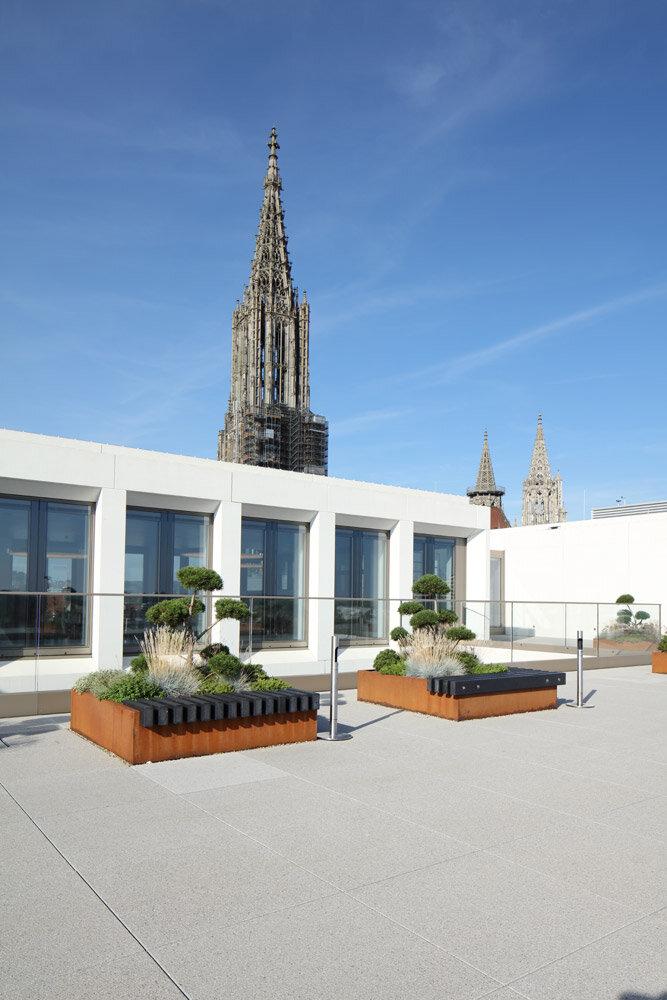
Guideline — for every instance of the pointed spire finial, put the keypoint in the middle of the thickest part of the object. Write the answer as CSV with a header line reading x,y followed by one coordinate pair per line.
x,y
272,176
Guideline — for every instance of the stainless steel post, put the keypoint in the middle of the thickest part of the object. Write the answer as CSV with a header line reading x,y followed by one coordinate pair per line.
x,y
333,735
580,669
579,703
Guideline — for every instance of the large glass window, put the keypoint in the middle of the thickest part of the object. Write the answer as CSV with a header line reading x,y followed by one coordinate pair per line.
x,y
273,560
361,580
433,554
157,544
44,548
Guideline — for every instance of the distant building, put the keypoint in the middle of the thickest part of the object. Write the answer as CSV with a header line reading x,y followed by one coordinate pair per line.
x,y
542,492
269,421
627,510
485,492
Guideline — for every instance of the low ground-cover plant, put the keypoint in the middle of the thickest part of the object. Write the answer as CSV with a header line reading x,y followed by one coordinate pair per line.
x,y
97,681
130,686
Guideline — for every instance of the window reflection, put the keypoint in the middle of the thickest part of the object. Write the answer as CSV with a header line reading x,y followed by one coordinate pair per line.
x,y
273,575
360,581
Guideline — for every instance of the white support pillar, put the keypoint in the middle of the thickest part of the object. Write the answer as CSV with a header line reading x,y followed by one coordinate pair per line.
x,y
108,579
401,543
226,559
321,583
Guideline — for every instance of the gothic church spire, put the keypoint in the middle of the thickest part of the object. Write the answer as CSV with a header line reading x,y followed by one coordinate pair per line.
x,y
485,492
542,492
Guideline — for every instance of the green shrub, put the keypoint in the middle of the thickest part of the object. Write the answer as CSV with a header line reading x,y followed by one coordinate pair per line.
x,y
175,613
410,607
214,684
129,687
642,616
662,645
386,658
229,667
398,633
396,669
97,681
214,647
447,616
424,619
459,633
269,684
221,663
469,661
138,664
430,585
227,607
199,578
625,599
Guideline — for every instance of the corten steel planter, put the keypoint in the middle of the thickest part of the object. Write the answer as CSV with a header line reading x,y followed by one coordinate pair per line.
x,y
624,646
659,663
167,729
463,697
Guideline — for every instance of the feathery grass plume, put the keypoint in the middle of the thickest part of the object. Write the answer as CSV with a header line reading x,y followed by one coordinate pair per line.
x,y
169,656
430,653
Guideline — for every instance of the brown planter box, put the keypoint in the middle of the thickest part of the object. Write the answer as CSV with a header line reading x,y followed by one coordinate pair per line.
x,y
626,647
412,694
117,728
659,663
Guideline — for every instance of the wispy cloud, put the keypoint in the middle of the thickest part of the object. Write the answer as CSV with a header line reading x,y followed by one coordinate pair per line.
x,y
454,368
371,418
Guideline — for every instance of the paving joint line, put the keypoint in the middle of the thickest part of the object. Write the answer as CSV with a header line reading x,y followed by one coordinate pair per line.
x,y
98,896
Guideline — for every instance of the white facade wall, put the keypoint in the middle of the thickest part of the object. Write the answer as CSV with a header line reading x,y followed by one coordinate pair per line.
x,y
585,561
113,478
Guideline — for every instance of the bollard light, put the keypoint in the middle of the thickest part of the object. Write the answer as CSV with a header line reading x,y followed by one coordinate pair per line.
x,y
333,735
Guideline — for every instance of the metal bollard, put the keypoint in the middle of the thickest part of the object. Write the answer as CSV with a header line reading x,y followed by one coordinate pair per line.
x,y
333,735
580,674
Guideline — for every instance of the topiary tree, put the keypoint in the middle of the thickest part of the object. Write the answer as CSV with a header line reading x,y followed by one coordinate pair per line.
x,y
182,612
430,585
399,633
424,619
628,620
410,607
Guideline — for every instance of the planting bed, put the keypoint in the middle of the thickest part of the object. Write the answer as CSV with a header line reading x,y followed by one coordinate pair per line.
x,y
154,729
463,696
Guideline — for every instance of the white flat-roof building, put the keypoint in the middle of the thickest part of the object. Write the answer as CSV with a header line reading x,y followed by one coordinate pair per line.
x,y
91,534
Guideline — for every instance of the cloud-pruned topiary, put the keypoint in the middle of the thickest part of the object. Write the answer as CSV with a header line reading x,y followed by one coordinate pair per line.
x,y
410,607
398,634
430,585
447,616
227,607
459,633
424,619
625,599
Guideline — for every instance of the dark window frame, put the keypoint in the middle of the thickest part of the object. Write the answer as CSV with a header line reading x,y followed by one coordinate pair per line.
x,y
259,643
36,575
357,535
165,557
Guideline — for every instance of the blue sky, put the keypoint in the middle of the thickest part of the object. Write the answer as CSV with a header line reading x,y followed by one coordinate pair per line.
x,y
475,200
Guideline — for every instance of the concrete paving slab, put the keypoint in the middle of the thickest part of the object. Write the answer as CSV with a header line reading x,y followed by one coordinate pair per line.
x,y
331,950
607,861
195,773
645,818
503,918
626,965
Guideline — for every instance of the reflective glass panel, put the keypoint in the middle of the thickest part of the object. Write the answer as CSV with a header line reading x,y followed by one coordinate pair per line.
x,y
360,575
17,612
273,561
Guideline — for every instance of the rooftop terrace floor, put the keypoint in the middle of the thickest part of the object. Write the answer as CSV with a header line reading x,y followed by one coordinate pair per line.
x,y
501,858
